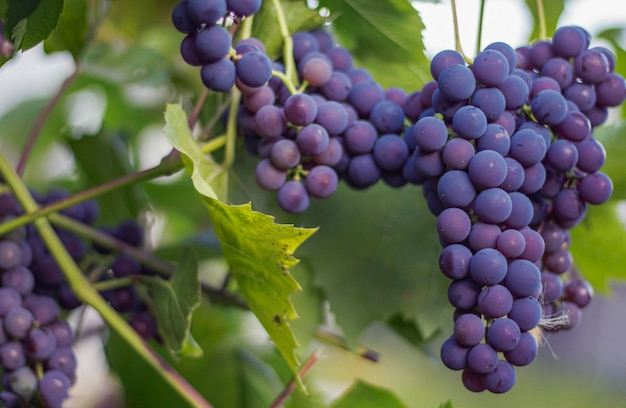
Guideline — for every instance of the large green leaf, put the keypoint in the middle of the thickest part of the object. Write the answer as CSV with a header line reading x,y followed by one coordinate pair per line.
x,y
364,395
32,21
258,251
380,33
598,244
552,11
73,29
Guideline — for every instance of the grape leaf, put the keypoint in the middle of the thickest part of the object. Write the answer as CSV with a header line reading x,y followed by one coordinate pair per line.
x,y
552,11
598,244
297,15
410,330
612,138
173,302
110,161
364,395
32,21
72,31
258,251
385,32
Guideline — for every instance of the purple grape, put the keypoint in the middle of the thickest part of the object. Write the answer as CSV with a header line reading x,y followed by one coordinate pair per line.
x,y
526,312
453,355
390,152
490,101
321,181
591,66
515,91
469,329
525,351
9,299
472,381
488,266
549,107
453,225
284,154
312,139
511,243
257,97
523,278
457,153
578,292
562,155
300,109
363,171
463,293
303,44
181,19
495,301
469,122
540,52
40,344
611,91
11,255
12,355
490,67
293,197
483,235
144,324
505,49
596,188
527,147
456,82
560,70
487,169
503,334
243,8
62,332
430,134
254,69
455,189
502,379
219,76
493,205
364,96
53,387
337,88
482,358
63,360
591,155
270,121
568,205
213,43
23,382
268,176
387,117
454,261
359,137
583,95
534,248
45,309
569,41
332,155
340,57
332,116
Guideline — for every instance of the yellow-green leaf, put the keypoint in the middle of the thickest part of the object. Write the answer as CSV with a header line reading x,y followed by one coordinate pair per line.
x,y
258,250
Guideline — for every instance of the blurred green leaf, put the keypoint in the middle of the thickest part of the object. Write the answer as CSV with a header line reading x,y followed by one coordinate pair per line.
x,y
598,244
32,21
299,18
552,10
102,158
380,33
72,31
612,138
258,251
447,404
409,330
364,395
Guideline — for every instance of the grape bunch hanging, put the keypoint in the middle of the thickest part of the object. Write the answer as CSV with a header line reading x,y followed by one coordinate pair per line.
x,y
503,148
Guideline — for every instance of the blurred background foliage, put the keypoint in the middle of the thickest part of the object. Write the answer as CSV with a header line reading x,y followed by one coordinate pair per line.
x,y
369,274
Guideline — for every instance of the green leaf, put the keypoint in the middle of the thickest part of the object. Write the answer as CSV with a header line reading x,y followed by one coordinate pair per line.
x,y
409,330
447,404
258,251
552,10
364,395
173,302
265,27
72,31
382,32
32,21
598,244
612,138
102,158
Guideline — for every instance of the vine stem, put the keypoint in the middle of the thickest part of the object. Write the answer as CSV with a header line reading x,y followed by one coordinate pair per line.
x,y
290,64
168,166
457,34
85,292
479,35
286,392
541,15
41,120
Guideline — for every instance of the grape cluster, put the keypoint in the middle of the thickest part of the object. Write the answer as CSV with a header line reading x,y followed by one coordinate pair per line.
x,y
507,148
33,292
36,356
209,45
341,125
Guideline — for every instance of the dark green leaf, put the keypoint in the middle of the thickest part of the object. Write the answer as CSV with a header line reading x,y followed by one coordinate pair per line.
x,y
103,158
381,33
552,10
364,395
409,330
73,29
598,244
298,16
32,21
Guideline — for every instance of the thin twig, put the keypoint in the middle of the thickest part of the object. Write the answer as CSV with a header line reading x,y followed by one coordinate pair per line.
x,y
41,120
286,392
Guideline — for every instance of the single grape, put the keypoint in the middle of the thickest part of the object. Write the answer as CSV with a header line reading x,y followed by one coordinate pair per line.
x,y
11,255
483,235
254,68
453,225
219,76
490,67
469,329
454,261
482,358
54,386
455,189
525,351
181,19
390,152
549,107
312,139
317,70
321,181
454,355
469,122
502,379
213,43
40,344
495,301
488,266
526,312
363,171
300,109
293,197
268,176
243,8
463,293
456,82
